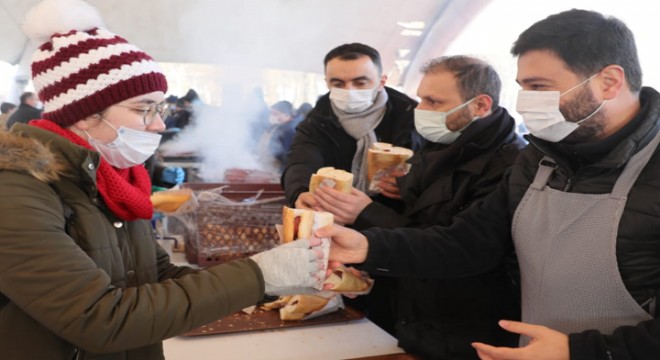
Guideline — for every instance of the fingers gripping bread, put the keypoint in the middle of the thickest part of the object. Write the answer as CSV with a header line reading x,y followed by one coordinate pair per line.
x,y
340,180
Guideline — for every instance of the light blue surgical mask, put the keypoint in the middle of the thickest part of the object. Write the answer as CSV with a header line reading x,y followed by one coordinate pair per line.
x,y
129,148
432,125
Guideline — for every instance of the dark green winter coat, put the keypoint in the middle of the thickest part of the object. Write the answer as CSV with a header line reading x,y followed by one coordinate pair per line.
x,y
74,278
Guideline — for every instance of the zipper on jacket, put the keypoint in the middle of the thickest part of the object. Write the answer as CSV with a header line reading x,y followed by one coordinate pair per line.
x,y
568,185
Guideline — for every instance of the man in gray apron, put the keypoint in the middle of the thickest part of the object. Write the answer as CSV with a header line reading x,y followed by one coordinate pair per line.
x,y
581,206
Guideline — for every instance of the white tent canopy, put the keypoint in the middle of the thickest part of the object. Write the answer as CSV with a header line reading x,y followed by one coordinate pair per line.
x,y
275,34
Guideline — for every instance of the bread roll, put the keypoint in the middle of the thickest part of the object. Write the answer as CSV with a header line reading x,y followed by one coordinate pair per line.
x,y
296,224
300,306
170,200
343,280
301,223
384,156
339,179
277,304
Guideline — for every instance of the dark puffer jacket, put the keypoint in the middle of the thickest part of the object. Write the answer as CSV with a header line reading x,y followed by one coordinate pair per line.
x,y
73,277
439,318
321,141
480,238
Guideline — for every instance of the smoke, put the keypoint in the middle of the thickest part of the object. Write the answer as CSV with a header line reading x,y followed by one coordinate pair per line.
x,y
223,137
227,135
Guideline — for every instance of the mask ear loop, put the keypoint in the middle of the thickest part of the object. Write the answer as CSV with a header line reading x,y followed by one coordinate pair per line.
x,y
575,87
580,84
105,121
593,113
460,107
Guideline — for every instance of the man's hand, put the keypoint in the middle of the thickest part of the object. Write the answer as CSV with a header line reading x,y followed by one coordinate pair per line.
x,y
345,207
306,200
347,246
388,185
545,344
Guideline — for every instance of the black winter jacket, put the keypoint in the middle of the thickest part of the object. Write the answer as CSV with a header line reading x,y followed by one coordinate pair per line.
x,y
479,238
321,141
23,114
439,318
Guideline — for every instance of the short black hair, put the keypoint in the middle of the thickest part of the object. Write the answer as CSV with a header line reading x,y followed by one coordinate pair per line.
x,y
473,76
25,96
285,107
353,51
190,96
586,41
6,107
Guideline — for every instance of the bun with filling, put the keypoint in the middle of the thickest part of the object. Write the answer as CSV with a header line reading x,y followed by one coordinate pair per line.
x,y
170,200
382,156
277,304
338,179
343,280
300,306
301,223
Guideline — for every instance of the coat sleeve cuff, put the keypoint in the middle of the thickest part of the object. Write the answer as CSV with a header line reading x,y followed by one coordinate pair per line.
x,y
379,215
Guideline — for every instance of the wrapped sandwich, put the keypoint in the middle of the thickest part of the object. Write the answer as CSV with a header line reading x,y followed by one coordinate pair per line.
x,y
383,157
301,223
338,179
304,306
347,281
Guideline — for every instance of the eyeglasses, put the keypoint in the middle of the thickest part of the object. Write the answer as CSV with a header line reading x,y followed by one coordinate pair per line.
x,y
149,113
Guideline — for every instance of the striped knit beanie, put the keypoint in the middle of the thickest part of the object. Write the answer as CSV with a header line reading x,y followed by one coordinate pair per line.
x,y
81,69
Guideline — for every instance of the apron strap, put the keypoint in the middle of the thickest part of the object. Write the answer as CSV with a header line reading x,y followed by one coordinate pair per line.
x,y
546,167
632,169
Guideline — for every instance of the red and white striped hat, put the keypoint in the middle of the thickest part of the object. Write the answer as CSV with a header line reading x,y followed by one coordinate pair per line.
x,y
82,69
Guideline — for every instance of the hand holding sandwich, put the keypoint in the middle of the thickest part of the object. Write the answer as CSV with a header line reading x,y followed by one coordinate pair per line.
x,y
345,207
337,179
307,201
347,246
388,185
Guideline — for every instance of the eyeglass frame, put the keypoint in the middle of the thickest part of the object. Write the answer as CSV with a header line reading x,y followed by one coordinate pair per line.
x,y
161,109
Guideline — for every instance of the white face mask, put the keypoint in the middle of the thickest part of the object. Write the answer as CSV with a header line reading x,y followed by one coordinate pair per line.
x,y
432,125
278,120
273,120
130,148
541,115
353,101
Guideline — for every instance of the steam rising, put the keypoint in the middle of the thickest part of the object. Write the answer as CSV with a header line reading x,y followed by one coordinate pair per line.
x,y
221,136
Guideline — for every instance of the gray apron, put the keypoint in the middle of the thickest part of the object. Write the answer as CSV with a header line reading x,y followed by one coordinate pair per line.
x,y
566,246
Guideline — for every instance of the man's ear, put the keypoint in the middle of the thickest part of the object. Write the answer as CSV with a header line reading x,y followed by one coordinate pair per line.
x,y
482,105
613,79
383,80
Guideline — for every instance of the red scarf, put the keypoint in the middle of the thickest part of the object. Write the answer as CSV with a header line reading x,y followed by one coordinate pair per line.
x,y
125,191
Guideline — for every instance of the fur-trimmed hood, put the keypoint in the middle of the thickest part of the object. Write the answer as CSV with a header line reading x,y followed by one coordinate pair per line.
x,y
25,154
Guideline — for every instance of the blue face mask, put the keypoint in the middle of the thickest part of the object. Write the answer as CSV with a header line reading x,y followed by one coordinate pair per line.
x,y
432,125
130,148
